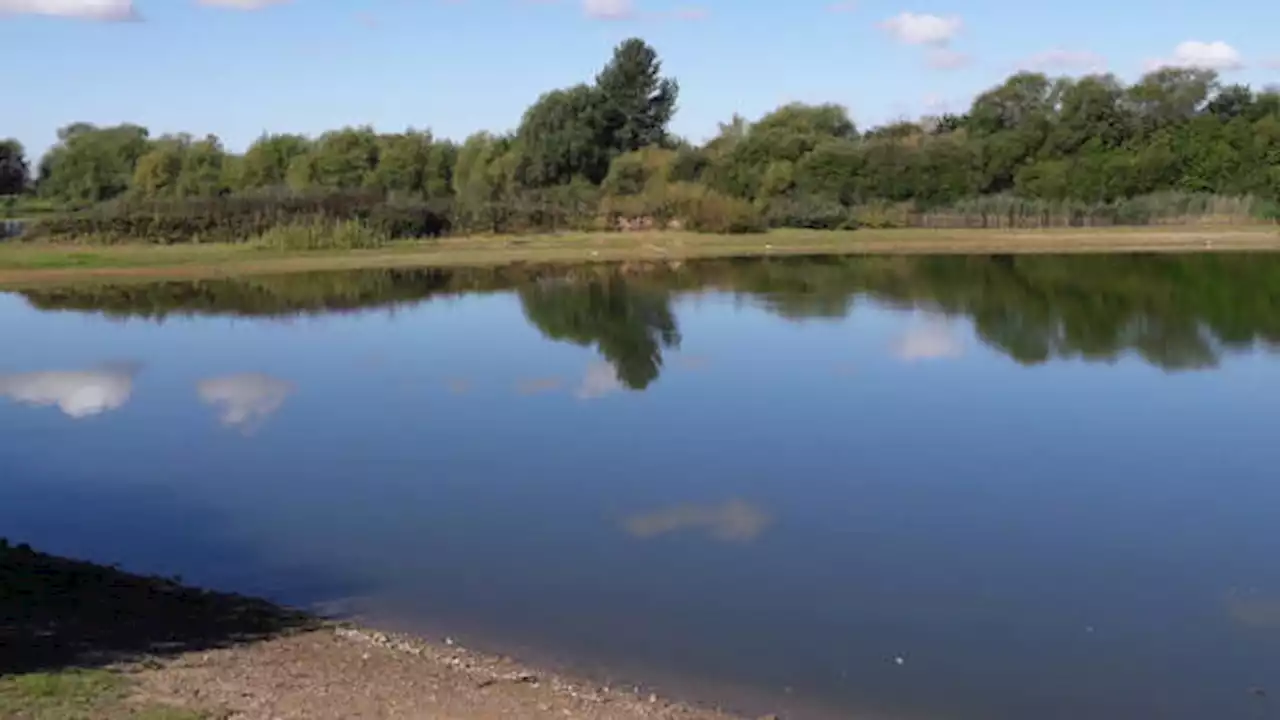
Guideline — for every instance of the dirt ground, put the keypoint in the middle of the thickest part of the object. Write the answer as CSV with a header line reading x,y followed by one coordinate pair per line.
x,y
345,673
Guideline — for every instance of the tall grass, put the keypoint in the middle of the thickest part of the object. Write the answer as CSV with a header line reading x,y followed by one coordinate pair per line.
x,y
237,219
1010,212
364,219
322,235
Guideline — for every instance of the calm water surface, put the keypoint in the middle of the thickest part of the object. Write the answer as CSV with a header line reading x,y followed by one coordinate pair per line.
x,y
972,488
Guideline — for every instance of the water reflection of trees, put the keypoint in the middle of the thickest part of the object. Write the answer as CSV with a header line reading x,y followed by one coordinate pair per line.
x,y
309,293
630,325
1175,311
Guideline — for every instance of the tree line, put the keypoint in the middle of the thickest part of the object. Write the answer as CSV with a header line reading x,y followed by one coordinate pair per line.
x,y
1033,150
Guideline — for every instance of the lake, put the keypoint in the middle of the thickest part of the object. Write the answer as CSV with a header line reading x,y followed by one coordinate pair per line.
x,y
915,487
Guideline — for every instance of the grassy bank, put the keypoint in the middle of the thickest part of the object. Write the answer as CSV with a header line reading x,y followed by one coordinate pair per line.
x,y
24,264
84,695
80,641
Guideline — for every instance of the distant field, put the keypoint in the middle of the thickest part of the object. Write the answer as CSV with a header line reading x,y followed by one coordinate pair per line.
x,y
36,263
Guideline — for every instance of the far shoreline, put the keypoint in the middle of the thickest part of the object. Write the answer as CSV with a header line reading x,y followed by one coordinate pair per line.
x,y
33,264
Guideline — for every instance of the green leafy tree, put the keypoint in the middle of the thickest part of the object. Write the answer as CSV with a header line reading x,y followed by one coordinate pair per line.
x,y
267,161
1170,96
560,138
403,162
91,164
15,173
743,154
157,173
202,172
482,181
338,160
635,102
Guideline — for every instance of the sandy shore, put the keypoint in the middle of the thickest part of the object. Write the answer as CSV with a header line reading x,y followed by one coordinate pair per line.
x,y
345,672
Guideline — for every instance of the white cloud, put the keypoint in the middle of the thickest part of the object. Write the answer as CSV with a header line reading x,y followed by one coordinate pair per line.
x,y
1059,59
608,9
946,59
734,521
600,379
932,340
1216,55
78,393
923,29
244,401
102,10
242,4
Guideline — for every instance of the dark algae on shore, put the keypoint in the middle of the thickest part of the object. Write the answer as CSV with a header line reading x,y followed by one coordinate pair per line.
x,y
60,613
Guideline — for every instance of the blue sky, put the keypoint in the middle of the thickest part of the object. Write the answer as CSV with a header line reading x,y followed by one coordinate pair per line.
x,y
237,68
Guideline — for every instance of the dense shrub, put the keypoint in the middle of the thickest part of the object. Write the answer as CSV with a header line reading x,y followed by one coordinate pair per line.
x,y
1009,211
323,235
239,218
701,209
811,213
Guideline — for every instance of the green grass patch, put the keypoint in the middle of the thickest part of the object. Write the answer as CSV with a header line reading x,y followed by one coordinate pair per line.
x,y
71,694
80,695
67,260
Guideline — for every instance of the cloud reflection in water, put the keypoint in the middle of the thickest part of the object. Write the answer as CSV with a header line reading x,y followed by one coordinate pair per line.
x,y
538,386
77,393
245,401
599,380
934,339
733,521
1251,609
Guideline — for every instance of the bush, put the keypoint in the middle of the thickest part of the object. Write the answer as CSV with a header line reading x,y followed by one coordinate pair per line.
x,y
234,219
411,220
323,235
881,216
701,209
810,213
1268,210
